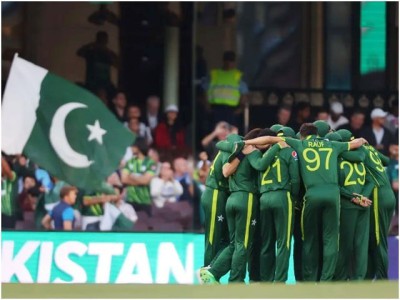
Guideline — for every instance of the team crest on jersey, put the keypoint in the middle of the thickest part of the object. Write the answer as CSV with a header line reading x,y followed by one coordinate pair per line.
x,y
294,154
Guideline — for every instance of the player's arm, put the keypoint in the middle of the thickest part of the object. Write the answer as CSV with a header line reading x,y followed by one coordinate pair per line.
x,y
369,185
6,170
357,155
230,167
98,199
384,159
225,146
264,140
46,221
357,143
261,162
294,173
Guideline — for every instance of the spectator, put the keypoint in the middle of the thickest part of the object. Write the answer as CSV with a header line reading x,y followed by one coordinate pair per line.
x,y
136,175
134,112
43,177
336,117
118,107
392,119
181,168
356,124
9,192
376,134
322,115
165,188
63,213
283,115
303,113
155,156
24,200
169,134
93,206
140,130
221,131
99,60
203,166
226,90
153,116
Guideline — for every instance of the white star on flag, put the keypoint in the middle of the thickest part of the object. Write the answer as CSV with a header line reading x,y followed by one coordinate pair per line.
x,y
220,218
96,132
253,223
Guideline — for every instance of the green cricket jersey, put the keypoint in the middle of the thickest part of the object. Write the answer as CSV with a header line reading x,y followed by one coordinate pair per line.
x,y
374,163
244,179
353,178
215,178
140,193
9,193
318,159
279,169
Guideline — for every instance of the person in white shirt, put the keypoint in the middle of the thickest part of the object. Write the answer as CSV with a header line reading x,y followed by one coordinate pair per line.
x,y
165,188
336,117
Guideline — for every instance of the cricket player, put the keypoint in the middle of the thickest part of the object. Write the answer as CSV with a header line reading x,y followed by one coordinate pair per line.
x,y
318,167
279,183
213,202
356,185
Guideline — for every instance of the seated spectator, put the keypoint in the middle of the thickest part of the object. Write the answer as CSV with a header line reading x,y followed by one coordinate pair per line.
x,y
63,213
392,119
155,156
140,129
336,117
283,115
322,115
136,175
181,168
356,124
303,113
165,188
209,142
169,134
376,134
152,116
118,106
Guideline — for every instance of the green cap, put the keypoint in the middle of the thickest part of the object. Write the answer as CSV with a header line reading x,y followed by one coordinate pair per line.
x,y
276,127
346,135
298,135
286,132
333,136
323,127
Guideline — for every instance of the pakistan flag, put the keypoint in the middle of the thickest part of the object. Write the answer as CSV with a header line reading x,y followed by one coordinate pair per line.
x,y
61,127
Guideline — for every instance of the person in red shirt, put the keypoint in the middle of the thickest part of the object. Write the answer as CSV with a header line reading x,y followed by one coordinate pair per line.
x,y
169,134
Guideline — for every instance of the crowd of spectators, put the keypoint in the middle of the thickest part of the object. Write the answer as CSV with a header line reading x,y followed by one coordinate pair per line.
x,y
159,182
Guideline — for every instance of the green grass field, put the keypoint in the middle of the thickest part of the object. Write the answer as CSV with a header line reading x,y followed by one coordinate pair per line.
x,y
383,289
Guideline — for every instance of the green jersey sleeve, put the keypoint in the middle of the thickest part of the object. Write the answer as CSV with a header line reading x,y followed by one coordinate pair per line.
x,y
295,144
384,159
261,162
357,155
368,186
225,146
340,146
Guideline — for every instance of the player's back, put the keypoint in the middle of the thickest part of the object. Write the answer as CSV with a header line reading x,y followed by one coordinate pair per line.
x,y
319,161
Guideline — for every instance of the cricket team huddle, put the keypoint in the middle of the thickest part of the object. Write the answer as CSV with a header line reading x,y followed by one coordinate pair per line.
x,y
326,189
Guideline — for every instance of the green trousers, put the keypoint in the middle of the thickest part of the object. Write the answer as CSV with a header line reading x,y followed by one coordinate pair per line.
x,y
297,246
383,206
320,226
213,202
255,249
241,215
353,244
276,218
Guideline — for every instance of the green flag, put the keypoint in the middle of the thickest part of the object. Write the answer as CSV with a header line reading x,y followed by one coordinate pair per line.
x,y
63,128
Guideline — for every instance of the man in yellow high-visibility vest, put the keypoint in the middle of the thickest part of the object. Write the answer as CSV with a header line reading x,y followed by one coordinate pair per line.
x,y
226,90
